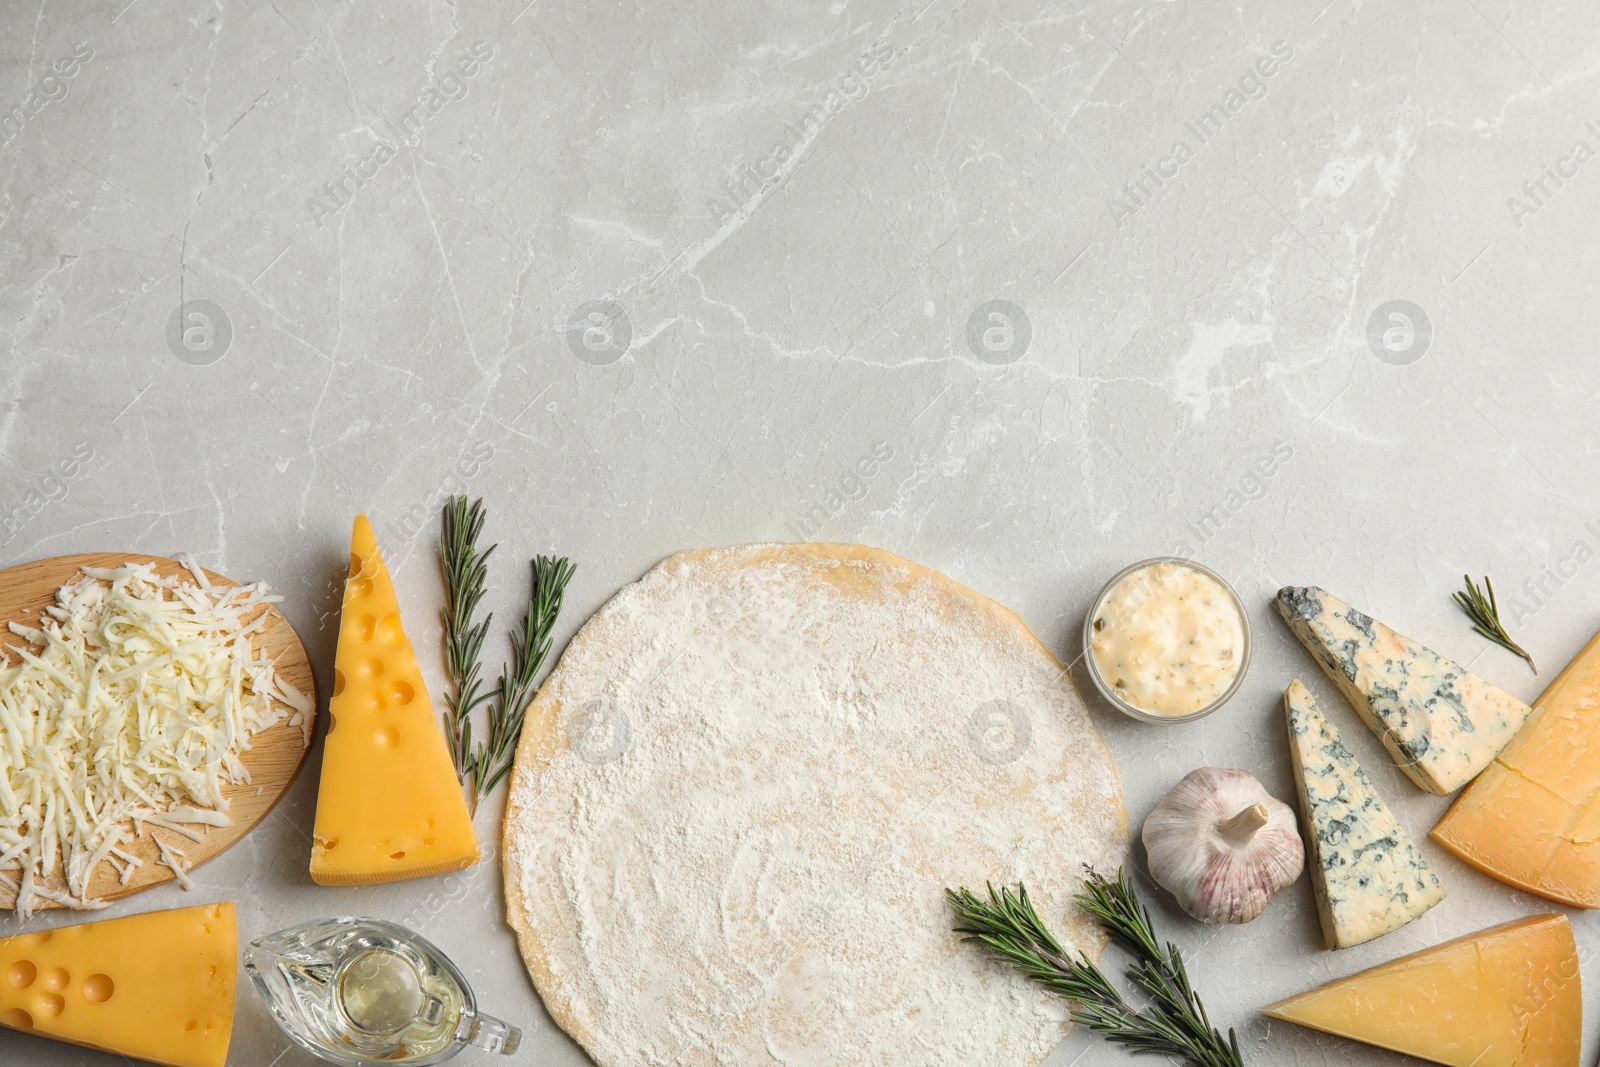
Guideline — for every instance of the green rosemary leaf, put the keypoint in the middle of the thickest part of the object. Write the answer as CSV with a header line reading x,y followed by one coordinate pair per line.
x,y
466,573
1175,1025
530,648
1484,611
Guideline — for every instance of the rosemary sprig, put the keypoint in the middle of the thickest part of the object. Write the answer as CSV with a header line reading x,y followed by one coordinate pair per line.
x,y
466,573
492,761
1175,1024
1485,616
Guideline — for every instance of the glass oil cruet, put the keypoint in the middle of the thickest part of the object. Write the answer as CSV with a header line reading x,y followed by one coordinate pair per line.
x,y
361,991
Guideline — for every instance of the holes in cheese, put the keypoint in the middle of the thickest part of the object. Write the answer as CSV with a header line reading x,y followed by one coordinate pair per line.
x,y
364,568
22,974
157,986
389,801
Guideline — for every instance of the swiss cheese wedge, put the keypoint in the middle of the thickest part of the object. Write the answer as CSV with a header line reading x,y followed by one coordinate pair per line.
x,y
1509,996
155,987
390,806
1532,819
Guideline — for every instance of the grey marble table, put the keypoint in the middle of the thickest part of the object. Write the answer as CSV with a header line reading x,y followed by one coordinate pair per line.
x,y
1304,289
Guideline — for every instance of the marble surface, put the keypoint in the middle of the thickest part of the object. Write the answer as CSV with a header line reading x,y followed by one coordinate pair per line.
x,y
650,277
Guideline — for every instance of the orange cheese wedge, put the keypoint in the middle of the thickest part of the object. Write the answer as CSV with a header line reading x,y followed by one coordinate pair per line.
x,y
1532,818
390,806
1509,996
155,987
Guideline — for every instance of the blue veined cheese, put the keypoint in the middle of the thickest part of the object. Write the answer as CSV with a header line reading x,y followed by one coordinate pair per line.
x,y
1367,875
1440,722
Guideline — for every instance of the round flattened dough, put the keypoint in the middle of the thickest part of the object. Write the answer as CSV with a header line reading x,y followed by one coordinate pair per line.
x,y
741,793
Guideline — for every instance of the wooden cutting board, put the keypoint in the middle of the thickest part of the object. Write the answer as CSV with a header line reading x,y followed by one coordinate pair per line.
x,y
273,759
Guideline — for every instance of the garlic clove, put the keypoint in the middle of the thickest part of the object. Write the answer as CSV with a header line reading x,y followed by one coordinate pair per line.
x,y
1222,845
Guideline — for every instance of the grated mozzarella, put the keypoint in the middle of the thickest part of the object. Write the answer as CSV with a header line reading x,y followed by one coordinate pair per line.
x,y
172,858
134,710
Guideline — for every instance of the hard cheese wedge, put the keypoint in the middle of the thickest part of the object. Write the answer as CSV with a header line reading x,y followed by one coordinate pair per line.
x,y
1532,819
155,987
390,806
1367,876
1441,723
1509,996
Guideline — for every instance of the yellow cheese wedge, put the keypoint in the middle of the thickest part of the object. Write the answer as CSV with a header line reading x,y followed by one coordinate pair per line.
x,y
155,987
1509,996
390,806
1532,818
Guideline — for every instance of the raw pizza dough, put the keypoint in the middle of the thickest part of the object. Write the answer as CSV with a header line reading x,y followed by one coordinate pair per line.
x,y
740,795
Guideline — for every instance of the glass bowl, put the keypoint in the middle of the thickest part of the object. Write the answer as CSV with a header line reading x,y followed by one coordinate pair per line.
x,y
1131,710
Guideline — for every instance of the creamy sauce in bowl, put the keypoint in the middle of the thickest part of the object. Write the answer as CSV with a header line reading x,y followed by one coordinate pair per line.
x,y
1167,638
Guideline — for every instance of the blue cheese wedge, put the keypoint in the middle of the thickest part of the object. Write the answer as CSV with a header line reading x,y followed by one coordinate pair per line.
x,y
1368,877
1441,723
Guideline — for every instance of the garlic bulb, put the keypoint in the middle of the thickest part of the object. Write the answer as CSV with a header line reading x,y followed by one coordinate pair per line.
x,y
1221,845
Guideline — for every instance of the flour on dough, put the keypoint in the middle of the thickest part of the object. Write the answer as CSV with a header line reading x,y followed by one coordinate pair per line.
x,y
743,790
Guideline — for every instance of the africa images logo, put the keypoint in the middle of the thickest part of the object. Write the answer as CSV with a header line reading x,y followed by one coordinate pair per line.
x,y
1537,192
199,332
46,91
749,183
1248,88
1399,332
447,88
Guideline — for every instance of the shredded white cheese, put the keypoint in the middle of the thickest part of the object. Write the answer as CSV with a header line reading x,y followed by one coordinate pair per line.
x,y
172,858
135,709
